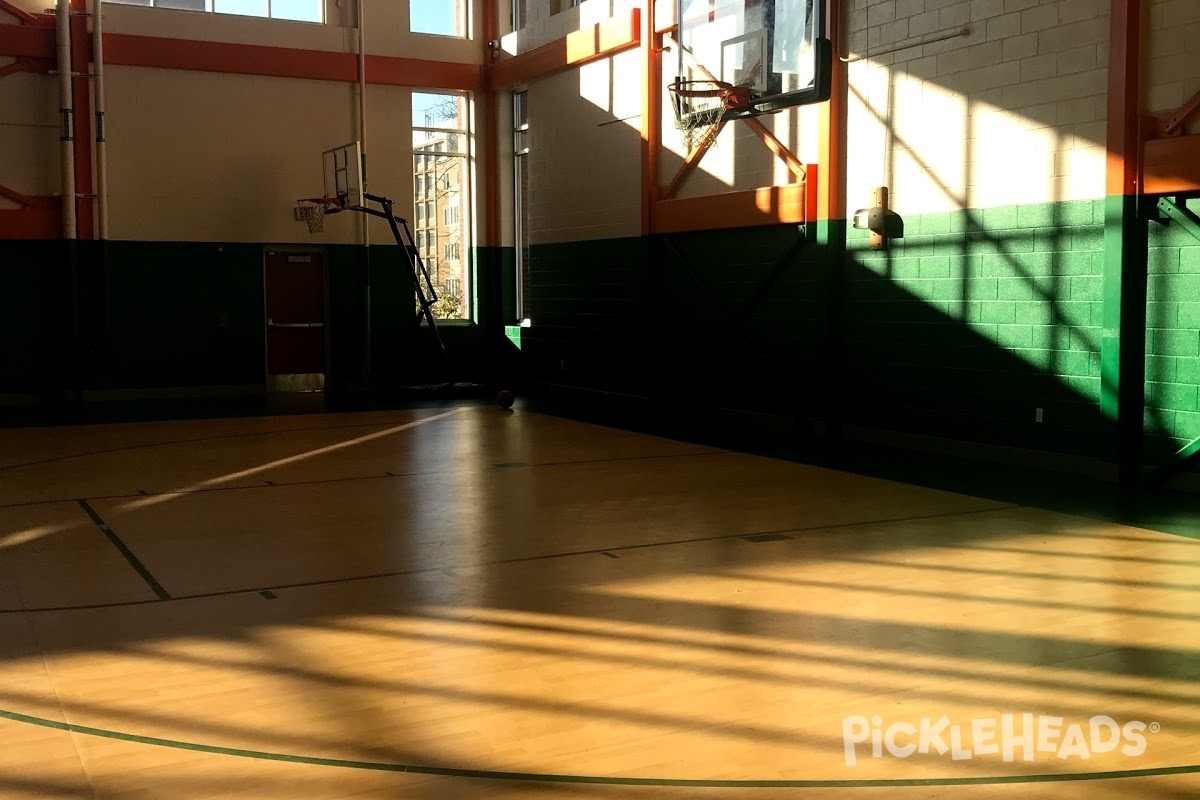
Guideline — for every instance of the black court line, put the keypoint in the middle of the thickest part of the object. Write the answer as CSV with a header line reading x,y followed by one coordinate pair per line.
x,y
347,479
506,561
154,585
520,464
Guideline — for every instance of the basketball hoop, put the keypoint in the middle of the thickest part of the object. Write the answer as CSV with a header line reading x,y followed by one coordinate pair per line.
x,y
706,103
312,212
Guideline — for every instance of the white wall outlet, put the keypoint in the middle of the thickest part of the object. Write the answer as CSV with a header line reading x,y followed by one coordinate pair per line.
x,y
1037,415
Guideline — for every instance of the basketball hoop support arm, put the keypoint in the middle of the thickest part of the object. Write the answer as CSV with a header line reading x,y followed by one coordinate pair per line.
x,y
426,294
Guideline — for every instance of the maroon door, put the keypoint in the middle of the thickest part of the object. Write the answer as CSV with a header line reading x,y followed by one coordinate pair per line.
x,y
295,305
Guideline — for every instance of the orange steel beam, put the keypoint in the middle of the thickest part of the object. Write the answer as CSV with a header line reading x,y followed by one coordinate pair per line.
x,y
38,217
30,41
23,16
1171,166
17,197
775,146
690,163
767,206
651,123
581,47
283,62
24,64
1172,125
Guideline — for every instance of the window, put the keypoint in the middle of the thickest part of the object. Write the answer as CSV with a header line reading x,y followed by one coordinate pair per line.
x,y
438,17
298,10
442,184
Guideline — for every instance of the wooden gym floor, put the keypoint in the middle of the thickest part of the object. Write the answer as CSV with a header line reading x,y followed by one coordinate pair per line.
x,y
467,603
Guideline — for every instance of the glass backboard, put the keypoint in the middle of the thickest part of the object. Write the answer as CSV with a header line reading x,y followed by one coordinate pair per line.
x,y
343,175
776,48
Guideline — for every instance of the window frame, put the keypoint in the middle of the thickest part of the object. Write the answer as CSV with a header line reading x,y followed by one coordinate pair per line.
x,y
459,134
465,7
210,8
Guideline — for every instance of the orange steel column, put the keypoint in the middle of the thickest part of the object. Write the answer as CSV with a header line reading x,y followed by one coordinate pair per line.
x,y
1124,70
830,229
651,122
1122,346
832,154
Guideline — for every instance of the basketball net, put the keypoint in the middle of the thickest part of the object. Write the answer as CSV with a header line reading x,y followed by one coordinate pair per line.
x,y
313,213
706,104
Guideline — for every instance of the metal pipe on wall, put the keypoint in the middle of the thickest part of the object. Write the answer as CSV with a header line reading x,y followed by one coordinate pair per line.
x,y
100,147
67,136
362,109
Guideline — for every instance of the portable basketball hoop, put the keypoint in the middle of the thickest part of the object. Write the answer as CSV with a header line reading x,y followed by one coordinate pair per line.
x,y
700,107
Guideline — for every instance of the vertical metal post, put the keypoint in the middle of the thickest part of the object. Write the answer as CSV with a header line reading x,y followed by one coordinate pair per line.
x,y
101,146
1122,348
66,112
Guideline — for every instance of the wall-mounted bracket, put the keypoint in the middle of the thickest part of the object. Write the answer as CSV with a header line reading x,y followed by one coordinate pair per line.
x,y
883,223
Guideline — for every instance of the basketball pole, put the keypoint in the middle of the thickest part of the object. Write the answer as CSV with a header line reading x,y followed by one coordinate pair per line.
x,y
365,228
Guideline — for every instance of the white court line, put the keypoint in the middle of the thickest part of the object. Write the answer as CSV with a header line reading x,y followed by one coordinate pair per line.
x,y
233,476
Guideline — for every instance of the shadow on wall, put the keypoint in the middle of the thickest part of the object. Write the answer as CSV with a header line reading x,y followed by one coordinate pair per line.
x,y
965,331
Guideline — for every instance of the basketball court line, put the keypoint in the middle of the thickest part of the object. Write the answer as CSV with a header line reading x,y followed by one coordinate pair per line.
x,y
505,561
535,777
247,434
140,493
133,560
171,442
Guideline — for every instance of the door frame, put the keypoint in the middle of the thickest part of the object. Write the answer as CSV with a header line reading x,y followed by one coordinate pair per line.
x,y
297,250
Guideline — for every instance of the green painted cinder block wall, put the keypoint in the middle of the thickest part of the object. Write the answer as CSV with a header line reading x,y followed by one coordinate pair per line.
x,y
981,325
985,325
1172,339
147,315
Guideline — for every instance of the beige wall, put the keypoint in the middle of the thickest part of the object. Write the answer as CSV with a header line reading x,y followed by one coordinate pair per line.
x,y
29,147
1173,63
199,156
1012,112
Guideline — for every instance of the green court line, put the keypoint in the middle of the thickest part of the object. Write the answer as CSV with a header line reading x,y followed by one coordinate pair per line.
x,y
482,774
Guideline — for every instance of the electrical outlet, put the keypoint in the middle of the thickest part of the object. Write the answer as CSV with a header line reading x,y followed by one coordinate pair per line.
x,y
1037,415
303,213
